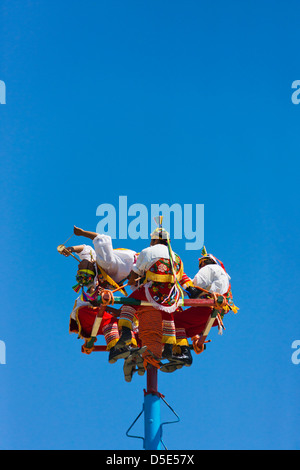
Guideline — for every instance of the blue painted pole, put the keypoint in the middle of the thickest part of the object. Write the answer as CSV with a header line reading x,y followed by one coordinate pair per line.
x,y
152,423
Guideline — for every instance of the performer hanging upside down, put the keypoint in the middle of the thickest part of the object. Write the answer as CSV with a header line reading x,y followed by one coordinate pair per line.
x,y
111,267
163,280
85,311
211,275
213,278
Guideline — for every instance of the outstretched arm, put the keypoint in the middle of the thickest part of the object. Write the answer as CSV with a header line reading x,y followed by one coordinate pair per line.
x,y
72,249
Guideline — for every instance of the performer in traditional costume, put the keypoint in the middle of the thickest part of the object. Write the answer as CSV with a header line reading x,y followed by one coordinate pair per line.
x,y
162,282
85,311
211,278
117,263
212,275
112,268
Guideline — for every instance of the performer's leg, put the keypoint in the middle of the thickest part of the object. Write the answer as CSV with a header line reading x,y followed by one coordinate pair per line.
x,y
192,320
126,323
109,328
111,333
169,335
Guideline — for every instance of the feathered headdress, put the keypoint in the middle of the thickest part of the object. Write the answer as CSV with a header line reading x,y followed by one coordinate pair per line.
x,y
208,255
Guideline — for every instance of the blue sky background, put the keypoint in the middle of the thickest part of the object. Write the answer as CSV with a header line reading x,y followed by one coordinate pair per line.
x,y
175,102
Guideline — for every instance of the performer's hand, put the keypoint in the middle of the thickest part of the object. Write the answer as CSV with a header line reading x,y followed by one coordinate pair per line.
x,y
66,251
78,231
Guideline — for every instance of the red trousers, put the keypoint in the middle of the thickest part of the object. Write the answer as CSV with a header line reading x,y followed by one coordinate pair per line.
x,y
192,320
86,317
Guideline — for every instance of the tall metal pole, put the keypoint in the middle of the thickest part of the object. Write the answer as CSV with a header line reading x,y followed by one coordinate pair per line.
x,y
152,423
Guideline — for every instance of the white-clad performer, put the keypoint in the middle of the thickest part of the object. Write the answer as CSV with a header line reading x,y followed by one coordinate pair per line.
x,y
117,263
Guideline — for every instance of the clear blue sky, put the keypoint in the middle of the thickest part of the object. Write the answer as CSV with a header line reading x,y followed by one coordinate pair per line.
x,y
183,102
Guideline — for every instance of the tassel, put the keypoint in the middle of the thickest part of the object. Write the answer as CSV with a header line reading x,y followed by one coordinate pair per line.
x,y
220,325
76,288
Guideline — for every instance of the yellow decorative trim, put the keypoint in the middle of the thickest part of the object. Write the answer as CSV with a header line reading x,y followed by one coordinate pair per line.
x,y
182,342
108,279
168,339
122,322
234,308
159,277
111,344
150,276
88,271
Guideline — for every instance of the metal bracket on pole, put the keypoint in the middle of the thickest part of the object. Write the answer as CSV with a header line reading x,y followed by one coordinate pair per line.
x,y
151,409
131,426
161,426
168,422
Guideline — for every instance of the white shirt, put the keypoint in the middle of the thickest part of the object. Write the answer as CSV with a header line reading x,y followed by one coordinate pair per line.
x,y
116,263
87,253
213,278
149,256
